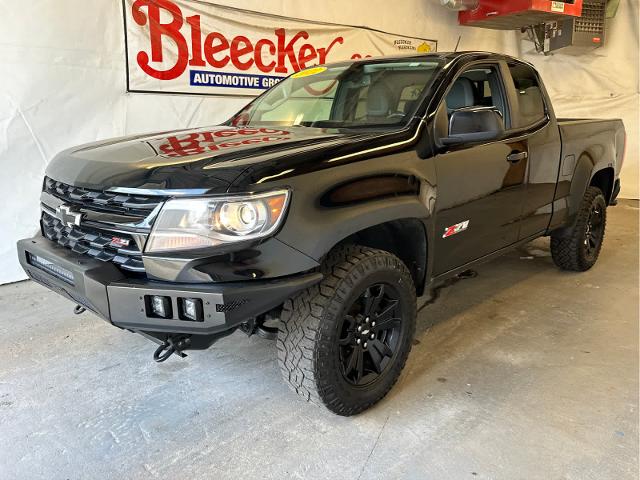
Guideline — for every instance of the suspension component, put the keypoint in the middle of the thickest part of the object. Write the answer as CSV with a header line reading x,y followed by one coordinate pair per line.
x,y
258,326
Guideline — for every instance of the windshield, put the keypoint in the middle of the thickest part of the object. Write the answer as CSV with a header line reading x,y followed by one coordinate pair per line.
x,y
354,95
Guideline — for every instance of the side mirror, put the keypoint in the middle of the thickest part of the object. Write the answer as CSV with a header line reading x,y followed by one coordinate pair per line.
x,y
474,124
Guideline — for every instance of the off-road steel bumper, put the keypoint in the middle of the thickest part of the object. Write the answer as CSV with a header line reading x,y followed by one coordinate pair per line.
x,y
102,288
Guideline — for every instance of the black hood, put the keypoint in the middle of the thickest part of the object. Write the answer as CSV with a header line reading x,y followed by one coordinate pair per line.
x,y
210,158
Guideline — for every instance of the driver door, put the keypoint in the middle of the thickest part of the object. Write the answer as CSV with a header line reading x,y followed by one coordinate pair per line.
x,y
481,187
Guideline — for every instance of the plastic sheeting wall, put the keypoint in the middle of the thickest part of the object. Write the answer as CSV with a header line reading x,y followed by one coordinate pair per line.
x,y
62,83
601,84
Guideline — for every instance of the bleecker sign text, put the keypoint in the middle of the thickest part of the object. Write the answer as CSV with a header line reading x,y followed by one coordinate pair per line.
x,y
216,49
195,47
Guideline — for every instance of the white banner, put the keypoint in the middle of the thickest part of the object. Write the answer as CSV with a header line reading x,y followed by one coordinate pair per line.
x,y
195,47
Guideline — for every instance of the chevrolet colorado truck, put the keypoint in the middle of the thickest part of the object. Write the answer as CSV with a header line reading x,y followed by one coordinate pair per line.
x,y
323,209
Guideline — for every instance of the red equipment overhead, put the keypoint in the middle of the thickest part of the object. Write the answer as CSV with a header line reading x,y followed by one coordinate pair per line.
x,y
516,14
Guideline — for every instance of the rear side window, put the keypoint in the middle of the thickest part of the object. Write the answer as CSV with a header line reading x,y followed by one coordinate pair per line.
x,y
531,107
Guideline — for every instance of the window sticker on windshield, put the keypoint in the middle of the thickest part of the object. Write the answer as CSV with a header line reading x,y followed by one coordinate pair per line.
x,y
308,72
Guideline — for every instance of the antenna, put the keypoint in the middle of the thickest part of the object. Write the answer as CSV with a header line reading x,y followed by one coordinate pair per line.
x,y
458,44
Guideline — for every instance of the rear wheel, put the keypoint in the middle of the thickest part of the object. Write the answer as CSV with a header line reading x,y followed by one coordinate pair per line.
x,y
344,342
579,250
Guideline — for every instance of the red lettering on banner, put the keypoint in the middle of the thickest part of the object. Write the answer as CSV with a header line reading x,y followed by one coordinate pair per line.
x,y
156,32
241,46
210,50
323,52
306,54
286,50
196,42
216,49
264,67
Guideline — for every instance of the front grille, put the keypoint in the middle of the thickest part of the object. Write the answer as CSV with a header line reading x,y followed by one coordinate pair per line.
x,y
138,205
92,238
94,243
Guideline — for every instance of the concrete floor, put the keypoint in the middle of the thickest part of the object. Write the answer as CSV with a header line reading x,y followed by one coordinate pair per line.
x,y
524,372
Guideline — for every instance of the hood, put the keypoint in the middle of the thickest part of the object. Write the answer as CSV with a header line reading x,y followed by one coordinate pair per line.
x,y
206,159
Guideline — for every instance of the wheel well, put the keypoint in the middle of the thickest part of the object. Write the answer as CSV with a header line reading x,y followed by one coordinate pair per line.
x,y
405,238
603,179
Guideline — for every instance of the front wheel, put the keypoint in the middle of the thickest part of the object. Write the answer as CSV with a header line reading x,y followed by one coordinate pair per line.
x,y
344,342
579,250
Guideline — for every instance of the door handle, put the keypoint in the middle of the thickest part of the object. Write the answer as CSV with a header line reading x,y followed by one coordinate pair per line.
x,y
516,157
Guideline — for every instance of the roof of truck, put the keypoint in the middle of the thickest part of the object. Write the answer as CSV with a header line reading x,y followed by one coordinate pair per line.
x,y
447,56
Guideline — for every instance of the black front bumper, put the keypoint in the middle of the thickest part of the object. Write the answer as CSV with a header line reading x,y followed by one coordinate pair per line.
x,y
102,288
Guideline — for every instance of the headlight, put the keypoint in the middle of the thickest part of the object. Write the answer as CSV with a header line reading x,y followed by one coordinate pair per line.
x,y
188,223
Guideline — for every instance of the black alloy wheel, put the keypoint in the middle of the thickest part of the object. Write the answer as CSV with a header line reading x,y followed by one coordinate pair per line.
x,y
369,335
594,232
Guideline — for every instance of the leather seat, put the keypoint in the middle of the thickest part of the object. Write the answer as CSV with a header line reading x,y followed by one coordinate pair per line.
x,y
379,101
461,95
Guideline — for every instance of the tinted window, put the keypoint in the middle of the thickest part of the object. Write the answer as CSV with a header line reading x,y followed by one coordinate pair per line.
x,y
529,95
477,87
356,95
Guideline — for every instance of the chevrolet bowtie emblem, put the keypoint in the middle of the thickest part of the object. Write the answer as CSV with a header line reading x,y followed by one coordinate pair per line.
x,y
68,216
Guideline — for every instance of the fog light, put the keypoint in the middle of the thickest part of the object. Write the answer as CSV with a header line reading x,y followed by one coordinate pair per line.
x,y
191,309
51,268
160,306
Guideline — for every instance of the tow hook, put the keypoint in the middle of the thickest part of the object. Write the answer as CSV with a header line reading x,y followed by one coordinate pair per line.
x,y
170,346
79,309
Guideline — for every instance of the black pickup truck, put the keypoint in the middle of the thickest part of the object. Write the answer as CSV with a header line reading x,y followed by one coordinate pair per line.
x,y
321,210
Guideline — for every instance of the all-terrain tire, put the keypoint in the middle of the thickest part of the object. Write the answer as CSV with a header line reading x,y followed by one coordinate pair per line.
x,y
311,324
572,251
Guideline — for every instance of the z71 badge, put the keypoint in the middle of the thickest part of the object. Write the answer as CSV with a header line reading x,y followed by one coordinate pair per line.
x,y
119,242
457,228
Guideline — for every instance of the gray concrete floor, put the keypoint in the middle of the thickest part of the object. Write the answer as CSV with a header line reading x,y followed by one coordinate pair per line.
x,y
524,372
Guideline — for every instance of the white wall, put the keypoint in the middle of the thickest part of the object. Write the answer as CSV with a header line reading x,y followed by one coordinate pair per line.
x,y
62,82
602,84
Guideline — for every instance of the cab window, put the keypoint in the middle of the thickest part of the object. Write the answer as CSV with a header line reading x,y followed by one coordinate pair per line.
x,y
477,87
530,101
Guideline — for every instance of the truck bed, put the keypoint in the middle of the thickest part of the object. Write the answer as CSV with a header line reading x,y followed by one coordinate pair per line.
x,y
586,120
600,139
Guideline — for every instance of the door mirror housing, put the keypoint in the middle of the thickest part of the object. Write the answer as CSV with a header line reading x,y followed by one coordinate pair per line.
x,y
474,124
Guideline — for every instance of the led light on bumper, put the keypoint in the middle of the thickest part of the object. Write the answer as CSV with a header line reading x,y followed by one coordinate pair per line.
x,y
159,306
51,268
191,309
190,223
